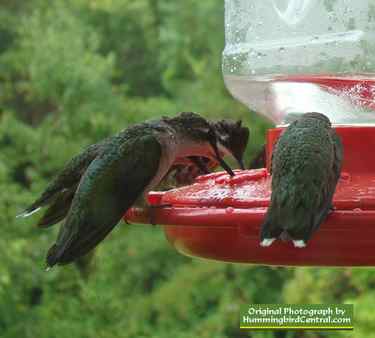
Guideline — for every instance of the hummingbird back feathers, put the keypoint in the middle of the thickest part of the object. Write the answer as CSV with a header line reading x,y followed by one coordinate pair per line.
x,y
111,184
306,166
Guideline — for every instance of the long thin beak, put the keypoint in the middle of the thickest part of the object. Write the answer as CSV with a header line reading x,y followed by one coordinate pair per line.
x,y
240,162
223,164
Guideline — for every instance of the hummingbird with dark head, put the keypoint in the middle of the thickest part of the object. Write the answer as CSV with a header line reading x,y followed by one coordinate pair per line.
x,y
96,188
232,139
306,167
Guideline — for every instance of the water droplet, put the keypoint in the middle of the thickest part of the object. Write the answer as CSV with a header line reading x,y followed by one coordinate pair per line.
x,y
345,176
229,210
253,71
282,49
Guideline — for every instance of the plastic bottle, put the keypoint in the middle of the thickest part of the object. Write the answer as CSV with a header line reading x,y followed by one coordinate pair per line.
x,y
287,57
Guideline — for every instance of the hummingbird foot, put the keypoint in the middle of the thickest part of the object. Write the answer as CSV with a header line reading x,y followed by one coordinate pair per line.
x,y
152,211
267,242
299,243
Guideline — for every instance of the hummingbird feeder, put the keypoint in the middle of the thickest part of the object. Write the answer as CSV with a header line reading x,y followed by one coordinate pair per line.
x,y
281,59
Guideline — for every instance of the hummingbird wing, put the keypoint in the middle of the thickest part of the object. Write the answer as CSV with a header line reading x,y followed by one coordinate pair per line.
x,y
109,187
58,208
338,152
66,179
271,228
338,157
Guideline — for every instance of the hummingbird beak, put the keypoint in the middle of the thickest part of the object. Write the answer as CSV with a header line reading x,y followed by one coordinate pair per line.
x,y
223,164
240,162
236,156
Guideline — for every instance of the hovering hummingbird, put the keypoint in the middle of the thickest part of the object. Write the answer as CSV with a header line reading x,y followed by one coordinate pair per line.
x,y
306,166
97,187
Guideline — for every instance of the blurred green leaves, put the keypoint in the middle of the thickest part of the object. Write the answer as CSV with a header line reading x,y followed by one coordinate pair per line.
x,y
73,72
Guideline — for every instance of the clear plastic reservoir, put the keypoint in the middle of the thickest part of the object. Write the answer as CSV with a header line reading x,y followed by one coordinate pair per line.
x,y
287,57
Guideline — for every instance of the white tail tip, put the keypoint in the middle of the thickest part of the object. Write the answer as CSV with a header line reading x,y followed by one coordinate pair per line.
x,y
299,244
27,214
48,268
267,242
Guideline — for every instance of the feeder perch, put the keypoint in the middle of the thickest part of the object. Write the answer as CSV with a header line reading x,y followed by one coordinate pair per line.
x,y
284,58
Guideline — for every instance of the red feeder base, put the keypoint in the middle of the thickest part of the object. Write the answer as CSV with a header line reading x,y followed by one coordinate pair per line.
x,y
219,217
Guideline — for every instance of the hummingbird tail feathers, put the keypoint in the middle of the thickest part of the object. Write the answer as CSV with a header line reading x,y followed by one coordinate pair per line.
x,y
52,256
269,232
299,243
58,209
76,246
50,218
43,200
28,212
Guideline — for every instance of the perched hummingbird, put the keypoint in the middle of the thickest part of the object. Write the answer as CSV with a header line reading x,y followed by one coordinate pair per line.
x,y
231,134
306,166
107,178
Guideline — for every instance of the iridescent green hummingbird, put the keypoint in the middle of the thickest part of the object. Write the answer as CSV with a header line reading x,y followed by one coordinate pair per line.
x,y
306,166
107,178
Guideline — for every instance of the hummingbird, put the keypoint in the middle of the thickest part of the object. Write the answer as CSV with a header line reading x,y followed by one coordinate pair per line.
x,y
231,134
306,166
60,192
96,188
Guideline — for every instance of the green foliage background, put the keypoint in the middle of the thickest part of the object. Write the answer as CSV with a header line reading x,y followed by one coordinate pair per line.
x,y
73,72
